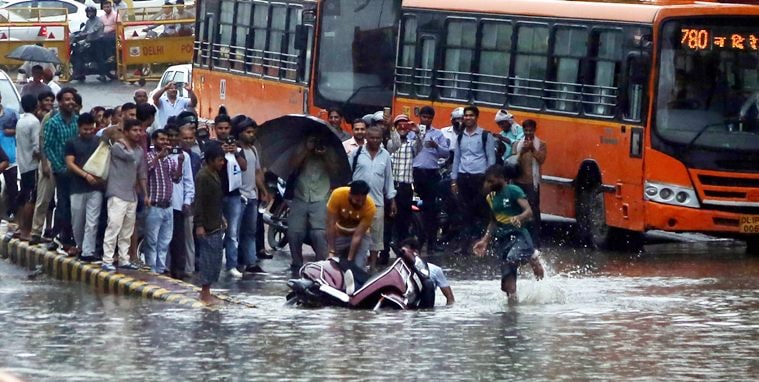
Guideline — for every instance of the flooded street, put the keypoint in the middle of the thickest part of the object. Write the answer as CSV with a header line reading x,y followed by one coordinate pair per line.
x,y
677,311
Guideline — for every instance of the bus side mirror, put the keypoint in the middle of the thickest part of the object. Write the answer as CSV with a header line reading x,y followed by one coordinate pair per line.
x,y
301,37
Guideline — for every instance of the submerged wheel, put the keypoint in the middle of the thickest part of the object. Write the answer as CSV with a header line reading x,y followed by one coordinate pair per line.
x,y
591,217
592,226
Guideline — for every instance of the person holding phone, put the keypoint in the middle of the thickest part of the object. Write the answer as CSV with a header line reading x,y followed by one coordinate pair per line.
x,y
531,153
170,104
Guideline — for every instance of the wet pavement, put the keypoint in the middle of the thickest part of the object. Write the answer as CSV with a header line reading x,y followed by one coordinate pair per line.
x,y
676,311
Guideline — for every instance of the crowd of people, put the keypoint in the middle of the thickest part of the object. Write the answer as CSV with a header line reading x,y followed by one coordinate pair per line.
x,y
191,194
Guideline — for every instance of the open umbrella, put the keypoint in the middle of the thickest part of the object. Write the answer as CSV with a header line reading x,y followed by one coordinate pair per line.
x,y
34,53
279,139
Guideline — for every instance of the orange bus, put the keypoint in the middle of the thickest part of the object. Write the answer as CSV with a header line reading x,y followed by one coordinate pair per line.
x,y
649,108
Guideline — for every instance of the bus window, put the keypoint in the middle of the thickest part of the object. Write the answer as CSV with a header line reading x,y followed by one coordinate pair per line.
x,y
242,26
356,58
605,59
407,60
530,66
495,57
289,70
570,46
455,79
273,57
260,25
224,40
426,67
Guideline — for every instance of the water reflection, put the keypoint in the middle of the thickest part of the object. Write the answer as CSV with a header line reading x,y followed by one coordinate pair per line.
x,y
671,312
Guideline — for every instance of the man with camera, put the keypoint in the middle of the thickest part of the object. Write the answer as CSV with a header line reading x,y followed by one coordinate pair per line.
x,y
231,181
432,147
182,197
163,172
172,104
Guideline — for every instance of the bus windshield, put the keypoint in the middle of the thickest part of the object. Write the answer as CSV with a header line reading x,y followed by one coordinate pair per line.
x,y
357,55
708,90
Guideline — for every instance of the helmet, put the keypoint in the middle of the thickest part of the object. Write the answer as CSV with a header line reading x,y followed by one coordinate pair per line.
x,y
91,8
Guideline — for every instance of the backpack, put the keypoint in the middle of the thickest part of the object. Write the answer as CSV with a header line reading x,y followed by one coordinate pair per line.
x,y
355,159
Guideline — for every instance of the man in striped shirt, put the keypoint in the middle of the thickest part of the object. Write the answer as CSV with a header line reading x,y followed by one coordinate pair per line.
x,y
163,172
402,146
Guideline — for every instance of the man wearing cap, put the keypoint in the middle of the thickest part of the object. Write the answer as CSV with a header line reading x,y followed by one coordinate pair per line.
x,y
510,131
402,147
431,147
452,131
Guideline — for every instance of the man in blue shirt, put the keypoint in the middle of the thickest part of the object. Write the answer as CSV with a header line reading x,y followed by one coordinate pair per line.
x,y
474,153
432,146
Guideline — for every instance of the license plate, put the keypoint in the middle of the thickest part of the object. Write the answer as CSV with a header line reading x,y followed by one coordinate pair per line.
x,y
749,224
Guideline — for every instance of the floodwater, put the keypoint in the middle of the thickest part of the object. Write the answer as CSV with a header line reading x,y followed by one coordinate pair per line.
x,y
678,311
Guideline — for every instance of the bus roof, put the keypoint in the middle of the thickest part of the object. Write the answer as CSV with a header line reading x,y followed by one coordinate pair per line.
x,y
642,11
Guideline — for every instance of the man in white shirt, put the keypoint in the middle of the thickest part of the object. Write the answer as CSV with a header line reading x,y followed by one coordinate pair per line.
x,y
183,195
171,105
28,158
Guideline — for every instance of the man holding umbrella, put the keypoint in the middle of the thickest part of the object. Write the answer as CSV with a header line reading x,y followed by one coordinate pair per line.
x,y
37,86
308,209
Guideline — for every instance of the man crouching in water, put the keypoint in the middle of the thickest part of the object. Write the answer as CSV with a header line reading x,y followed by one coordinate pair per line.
x,y
509,210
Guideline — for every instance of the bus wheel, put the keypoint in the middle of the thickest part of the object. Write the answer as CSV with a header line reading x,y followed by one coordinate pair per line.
x,y
752,245
591,217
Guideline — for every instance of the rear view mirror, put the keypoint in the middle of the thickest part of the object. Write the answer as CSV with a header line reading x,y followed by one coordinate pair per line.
x,y
22,71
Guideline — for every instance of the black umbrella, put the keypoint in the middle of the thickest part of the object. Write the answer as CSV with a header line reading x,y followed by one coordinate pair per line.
x,y
279,139
34,53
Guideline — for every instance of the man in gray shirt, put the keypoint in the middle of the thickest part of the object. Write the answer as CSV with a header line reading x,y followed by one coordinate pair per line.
x,y
127,171
371,163
474,152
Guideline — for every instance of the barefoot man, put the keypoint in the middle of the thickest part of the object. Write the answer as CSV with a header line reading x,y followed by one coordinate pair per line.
x,y
509,210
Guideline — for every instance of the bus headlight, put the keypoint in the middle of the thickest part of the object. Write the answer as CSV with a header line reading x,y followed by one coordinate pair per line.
x,y
670,194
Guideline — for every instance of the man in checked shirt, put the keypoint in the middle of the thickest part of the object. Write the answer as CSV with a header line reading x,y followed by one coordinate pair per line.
x,y
403,148
163,172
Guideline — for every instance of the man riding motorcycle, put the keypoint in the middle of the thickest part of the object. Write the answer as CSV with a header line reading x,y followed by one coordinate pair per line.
x,y
92,34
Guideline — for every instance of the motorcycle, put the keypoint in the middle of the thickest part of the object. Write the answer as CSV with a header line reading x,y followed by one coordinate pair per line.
x,y
404,285
275,213
83,62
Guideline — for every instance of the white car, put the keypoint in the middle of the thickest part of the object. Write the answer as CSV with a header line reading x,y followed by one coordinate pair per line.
x,y
47,11
180,74
11,96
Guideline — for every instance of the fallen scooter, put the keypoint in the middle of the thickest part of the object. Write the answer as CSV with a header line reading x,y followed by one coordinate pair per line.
x,y
404,285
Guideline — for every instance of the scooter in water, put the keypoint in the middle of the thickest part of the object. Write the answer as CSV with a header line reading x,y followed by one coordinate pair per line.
x,y
404,285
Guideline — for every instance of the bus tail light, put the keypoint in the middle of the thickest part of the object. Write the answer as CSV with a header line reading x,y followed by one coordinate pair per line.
x,y
670,194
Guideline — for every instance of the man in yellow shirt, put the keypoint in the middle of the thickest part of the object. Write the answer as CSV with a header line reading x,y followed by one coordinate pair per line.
x,y
350,211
